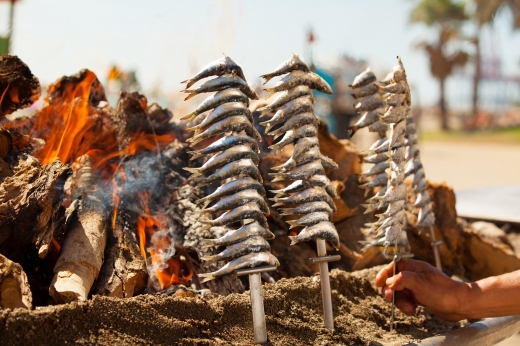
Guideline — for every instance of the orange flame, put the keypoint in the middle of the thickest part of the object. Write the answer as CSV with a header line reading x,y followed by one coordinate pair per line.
x,y
169,272
71,127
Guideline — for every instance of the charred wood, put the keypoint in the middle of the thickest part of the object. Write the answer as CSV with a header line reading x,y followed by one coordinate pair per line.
x,y
124,272
18,87
30,198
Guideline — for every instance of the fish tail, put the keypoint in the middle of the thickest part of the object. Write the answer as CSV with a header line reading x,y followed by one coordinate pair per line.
x,y
351,131
191,94
277,168
264,111
195,139
276,134
267,78
379,88
195,155
195,172
270,92
208,242
369,208
193,128
205,212
292,223
277,204
208,259
189,117
287,211
206,202
189,82
294,239
206,277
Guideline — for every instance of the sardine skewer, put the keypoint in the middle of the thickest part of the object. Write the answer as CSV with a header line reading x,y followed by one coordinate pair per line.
x,y
312,192
235,160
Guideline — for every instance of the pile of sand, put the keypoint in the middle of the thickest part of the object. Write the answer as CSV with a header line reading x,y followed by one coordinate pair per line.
x,y
292,306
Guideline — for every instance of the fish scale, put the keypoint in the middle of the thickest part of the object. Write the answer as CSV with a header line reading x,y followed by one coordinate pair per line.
x,y
240,198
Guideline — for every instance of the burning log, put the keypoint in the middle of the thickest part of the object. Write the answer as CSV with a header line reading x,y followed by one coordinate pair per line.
x,y
14,286
18,87
82,251
30,198
124,272
6,141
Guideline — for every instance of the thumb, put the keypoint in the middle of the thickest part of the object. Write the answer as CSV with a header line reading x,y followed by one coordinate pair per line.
x,y
403,280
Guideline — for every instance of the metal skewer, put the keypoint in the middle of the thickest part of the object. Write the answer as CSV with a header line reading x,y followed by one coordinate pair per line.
x,y
257,300
322,260
397,258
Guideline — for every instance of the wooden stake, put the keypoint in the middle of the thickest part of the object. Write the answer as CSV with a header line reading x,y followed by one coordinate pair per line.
x,y
328,317
257,300
435,245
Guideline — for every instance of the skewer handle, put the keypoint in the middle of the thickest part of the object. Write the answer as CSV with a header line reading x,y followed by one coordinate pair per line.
x,y
326,298
257,306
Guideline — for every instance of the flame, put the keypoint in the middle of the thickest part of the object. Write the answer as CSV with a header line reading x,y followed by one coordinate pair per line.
x,y
170,271
72,126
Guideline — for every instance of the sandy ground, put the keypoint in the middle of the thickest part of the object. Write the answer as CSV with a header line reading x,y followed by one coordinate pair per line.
x,y
463,165
471,165
468,165
292,307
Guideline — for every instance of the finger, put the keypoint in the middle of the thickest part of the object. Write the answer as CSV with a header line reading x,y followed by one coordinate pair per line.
x,y
411,265
384,274
403,280
387,293
405,303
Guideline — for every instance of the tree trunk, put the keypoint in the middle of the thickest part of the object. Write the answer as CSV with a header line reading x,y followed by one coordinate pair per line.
x,y
476,77
442,105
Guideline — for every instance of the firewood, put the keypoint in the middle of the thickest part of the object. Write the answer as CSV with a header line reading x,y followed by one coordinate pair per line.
x,y
18,87
81,254
6,141
82,251
30,198
130,117
14,286
124,273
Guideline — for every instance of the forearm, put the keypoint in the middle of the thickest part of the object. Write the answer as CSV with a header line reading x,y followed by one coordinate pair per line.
x,y
492,297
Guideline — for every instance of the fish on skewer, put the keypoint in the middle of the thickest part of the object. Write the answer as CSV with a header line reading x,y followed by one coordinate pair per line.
x,y
226,65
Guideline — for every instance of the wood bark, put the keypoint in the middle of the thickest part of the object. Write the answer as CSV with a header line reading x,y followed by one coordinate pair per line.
x,y
18,87
30,198
82,251
124,272
14,286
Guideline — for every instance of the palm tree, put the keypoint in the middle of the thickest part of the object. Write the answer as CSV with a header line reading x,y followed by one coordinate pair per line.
x,y
446,16
485,13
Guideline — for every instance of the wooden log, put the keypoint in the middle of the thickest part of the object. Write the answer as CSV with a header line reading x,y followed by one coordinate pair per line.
x,y
30,198
6,141
82,251
18,87
130,117
14,286
124,272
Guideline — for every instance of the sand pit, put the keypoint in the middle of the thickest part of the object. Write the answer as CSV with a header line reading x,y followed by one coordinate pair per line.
x,y
292,306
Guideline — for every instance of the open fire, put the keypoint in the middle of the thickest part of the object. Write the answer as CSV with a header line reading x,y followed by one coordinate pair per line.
x,y
118,155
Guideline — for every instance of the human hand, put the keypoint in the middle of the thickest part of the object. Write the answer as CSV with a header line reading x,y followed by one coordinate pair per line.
x,y
418,283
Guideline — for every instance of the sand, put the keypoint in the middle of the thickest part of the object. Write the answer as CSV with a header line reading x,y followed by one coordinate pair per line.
x,y
293,315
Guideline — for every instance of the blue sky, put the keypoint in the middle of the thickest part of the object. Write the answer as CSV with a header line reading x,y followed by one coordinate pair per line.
x,y
167,41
